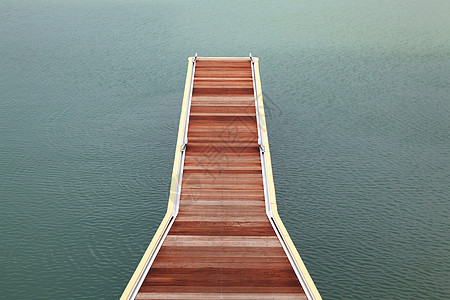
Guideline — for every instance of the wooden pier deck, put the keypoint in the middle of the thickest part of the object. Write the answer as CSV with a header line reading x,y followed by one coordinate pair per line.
x,y
222,237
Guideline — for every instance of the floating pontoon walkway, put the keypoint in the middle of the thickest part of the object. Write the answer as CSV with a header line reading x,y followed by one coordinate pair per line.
x,y
222,237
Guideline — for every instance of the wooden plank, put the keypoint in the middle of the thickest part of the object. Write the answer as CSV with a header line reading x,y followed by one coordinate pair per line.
x,y
250,166
221,64
227,262
223,91
214,194
222,202
229,100
223,217
224,147
224,72
224,83
241,252
227,109
231,195
181,228
233,122
232,159
203,296
225,186
227,290
218,278
221,207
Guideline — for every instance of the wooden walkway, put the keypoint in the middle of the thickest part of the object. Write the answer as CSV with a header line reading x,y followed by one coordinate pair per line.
x,y
219,242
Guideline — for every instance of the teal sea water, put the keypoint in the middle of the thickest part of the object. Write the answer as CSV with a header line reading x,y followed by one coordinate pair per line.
x,y
357,97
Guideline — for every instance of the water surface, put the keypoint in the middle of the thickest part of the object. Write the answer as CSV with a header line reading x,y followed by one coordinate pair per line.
x,y
357,96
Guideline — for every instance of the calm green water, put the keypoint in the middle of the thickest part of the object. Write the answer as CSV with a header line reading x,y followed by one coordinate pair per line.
x,y
357,94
